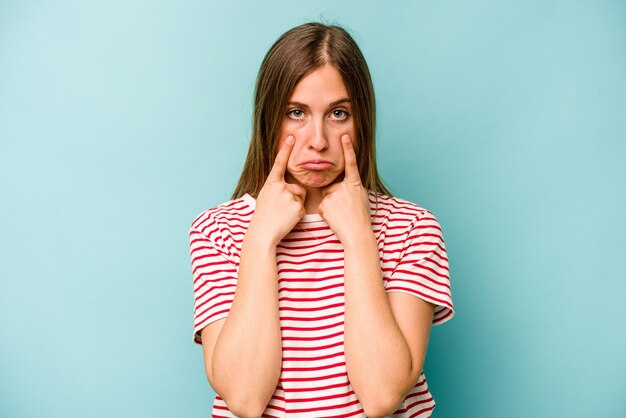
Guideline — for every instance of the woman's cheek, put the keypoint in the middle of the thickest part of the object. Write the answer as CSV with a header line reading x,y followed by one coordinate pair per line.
x,y
292,164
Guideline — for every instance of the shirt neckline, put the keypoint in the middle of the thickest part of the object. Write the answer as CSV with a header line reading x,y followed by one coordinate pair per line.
x,y
309,217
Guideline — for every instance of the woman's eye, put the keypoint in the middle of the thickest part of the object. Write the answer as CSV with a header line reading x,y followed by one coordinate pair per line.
x,y
340,114
295,114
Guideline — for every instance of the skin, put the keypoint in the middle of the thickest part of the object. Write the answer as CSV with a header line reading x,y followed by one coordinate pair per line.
x,y
386,334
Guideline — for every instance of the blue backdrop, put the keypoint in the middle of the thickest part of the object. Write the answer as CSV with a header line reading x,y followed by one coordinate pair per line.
x,y
121,121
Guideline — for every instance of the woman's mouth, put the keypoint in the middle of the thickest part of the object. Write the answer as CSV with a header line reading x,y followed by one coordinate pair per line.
x,y
316,165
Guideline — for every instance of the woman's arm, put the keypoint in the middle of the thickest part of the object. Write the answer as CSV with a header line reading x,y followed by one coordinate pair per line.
x,y
246,361
383,364
247,357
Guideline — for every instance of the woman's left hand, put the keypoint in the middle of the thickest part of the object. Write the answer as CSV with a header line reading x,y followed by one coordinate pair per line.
x,y
345,205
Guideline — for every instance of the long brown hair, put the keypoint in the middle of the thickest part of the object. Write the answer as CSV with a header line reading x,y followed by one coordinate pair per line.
x,y
295,54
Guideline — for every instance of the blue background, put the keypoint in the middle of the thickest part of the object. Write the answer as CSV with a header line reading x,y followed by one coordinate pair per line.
x,y
121,121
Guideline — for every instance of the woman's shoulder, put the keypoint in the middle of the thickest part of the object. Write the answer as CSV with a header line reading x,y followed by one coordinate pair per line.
x,y
239,208
397,205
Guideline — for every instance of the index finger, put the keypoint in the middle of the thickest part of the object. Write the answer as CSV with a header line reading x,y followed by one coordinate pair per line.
x,y
280,162
349,157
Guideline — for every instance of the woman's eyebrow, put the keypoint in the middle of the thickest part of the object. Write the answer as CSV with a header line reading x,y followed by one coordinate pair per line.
x,y
335,103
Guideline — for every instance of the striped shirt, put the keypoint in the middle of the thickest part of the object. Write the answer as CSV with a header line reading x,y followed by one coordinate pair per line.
x,y
314,380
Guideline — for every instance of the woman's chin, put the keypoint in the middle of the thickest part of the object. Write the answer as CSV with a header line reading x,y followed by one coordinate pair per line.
x,y
317,179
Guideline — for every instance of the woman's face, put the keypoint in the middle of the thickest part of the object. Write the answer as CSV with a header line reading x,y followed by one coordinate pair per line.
x,y
318,113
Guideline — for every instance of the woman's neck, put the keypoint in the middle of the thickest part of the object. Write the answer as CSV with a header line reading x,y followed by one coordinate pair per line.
x,y
312,200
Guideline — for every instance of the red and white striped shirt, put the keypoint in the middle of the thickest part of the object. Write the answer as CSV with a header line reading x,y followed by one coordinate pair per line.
x,y
313,380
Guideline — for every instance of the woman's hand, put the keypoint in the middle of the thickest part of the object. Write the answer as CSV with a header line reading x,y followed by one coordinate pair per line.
x,y
280,205
345,205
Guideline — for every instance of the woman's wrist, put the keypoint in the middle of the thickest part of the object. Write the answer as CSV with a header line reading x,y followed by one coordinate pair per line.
x,y
259,240
362,238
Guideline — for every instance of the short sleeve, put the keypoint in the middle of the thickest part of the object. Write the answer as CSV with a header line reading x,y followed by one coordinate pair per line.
x,y
214,281
422,268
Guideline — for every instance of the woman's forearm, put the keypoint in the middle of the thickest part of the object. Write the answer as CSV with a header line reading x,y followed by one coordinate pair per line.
x,y
248,353
378,358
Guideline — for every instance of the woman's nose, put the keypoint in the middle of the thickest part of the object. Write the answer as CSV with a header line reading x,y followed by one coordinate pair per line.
x,y
317,137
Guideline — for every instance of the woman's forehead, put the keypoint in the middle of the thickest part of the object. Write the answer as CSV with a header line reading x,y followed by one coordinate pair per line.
x,y
324,84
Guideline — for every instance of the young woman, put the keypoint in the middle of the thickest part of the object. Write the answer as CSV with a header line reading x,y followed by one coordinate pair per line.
x,y
315,290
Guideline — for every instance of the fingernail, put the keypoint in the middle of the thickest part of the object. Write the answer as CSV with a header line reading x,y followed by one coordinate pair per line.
x,y
345,138
289,140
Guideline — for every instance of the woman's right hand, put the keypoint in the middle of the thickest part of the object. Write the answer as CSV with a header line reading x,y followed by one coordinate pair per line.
x,y
279,205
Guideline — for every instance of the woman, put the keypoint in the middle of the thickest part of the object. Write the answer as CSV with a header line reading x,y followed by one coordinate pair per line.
x,y
315,290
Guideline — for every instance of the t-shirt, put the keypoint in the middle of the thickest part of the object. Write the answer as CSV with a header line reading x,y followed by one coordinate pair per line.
x,y
314,380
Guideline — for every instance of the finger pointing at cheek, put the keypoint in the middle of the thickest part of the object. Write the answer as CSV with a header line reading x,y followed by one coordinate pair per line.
x,y
282,158
349,157
345,205
279,205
